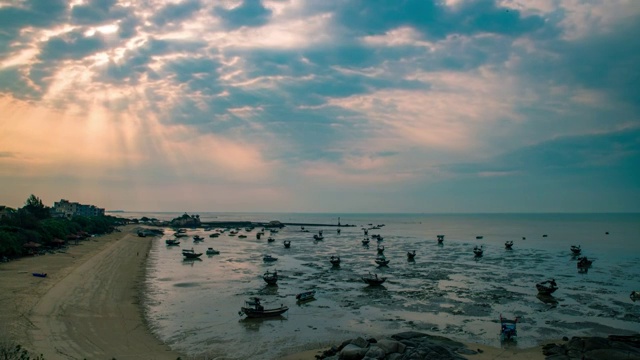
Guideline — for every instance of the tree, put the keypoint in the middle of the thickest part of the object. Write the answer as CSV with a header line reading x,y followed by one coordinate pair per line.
x,y
35,206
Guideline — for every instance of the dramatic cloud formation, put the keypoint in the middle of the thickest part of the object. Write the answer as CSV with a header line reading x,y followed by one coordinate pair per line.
x,y
340,105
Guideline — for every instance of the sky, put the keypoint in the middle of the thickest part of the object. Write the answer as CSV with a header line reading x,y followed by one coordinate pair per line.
x,y
379,106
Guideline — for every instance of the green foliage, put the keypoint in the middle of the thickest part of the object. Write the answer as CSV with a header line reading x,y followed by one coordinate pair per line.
x,y
35,206
11,351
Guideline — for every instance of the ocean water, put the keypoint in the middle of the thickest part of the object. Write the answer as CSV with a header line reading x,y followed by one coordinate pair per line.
x,y
193,305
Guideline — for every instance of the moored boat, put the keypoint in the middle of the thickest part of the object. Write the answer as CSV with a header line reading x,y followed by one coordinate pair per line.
x,y
508,245
287,244
172,242
380,250
269,258
270,239
318,237
335,260
306,296
254,309
547,287
508,331
373,279
478,251
190,254
440,239
381,261
584,262
635,295
576,250
212,251
197,238
365,241
270,278
39,274
411,255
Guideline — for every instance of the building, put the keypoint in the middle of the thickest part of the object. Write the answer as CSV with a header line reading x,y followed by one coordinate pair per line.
x,y
65,208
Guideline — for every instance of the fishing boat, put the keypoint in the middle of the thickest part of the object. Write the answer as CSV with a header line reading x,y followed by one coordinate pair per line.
x,y
287,244
318,237
306,296
479,237
212,251
271,278
214,235
508,245
635,295
584,262
254,309
440,239
242,236
411,255
190,254
39,274
365,241
373,279
377,237
172,242
576,250
381,261
380,250
335,260
478,251
508,331
197,238
269,258
270,239
547,287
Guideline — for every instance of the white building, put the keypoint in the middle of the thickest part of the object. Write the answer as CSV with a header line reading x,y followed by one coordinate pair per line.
x,y
65,208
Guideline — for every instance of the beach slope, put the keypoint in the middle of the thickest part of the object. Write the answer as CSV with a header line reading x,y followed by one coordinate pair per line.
x,y
88,306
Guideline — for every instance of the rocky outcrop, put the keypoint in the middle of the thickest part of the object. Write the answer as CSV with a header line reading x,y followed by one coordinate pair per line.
x,y
595,348
403,346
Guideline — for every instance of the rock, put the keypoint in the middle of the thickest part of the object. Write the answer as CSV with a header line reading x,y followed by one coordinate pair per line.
x,y
610,354
360,342
375,352
391,346
352,352
372,340
564,338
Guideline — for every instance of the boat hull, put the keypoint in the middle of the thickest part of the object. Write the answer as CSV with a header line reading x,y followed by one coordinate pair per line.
x,y
253,313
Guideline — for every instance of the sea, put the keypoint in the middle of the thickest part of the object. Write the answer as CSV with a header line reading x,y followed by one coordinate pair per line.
x,y
193,306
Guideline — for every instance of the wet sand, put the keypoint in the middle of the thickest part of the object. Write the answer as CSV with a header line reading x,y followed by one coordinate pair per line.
x,y
89,305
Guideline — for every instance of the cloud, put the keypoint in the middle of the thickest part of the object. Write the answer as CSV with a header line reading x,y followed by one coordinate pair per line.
x,y
250,13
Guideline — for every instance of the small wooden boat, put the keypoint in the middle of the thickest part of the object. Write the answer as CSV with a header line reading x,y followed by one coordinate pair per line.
x,y
306,296
190,254
634,296
508,245
270,239
197,238
214,235
382,261
212,251
380,250
508,331
269,258
584,262
547,287
39,274
254,309
373,279
287,244
479,237
411,255
576,250
440,239
478,251
377,237
318,237
335,260
270,278
365,241
172,242
242,236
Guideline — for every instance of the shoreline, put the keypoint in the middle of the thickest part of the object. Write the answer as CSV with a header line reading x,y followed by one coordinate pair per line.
x,y
91,305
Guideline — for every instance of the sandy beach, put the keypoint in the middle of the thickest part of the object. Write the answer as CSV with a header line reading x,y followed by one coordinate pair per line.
x,y
89,304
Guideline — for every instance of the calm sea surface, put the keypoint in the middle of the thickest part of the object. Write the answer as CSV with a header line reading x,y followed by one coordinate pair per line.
x,y
193,305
